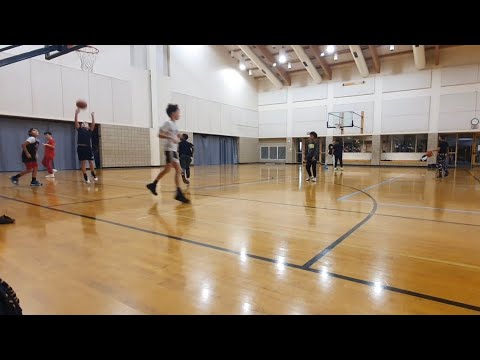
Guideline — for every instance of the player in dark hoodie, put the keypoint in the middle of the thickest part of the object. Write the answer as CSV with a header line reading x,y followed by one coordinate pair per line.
x,y
313,152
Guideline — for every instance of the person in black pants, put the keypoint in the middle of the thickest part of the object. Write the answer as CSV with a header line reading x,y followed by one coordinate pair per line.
x,y
338,153
312,156
442,157
185,150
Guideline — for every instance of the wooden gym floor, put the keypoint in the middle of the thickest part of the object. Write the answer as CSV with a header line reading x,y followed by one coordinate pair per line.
x,y
257,239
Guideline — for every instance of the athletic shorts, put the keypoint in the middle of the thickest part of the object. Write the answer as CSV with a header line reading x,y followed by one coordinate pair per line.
x,y
171,157
85,153
31,165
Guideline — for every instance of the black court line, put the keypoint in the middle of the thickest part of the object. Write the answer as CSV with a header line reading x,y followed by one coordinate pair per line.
x,y
330,247
262,258
472,175
400,291
333,209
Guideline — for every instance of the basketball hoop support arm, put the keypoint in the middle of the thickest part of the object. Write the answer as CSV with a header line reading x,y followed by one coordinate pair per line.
x,y
61,50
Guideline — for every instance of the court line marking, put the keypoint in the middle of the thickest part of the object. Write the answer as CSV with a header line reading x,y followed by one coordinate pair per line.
x,y
334,209
468,172
421,207
262,258
334,244
368,188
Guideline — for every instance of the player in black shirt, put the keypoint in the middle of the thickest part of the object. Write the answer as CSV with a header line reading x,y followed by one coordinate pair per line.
x,y
313,153
29,158
185,151
442,157
338,153
84,146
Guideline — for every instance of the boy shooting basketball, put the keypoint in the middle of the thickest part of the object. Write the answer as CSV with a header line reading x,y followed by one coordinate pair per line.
x,y
49,154
29,158
442,152
84,146
169,132
312,157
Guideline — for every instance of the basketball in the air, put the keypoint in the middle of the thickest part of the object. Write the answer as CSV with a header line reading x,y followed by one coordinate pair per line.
x,y
429,153
81,104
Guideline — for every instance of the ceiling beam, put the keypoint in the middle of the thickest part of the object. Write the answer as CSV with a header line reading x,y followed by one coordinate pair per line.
x,y
261,65
419,56
307,63
269,57
359,60
323,63
375,58
437,54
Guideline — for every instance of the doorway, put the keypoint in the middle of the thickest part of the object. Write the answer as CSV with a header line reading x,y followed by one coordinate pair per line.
x,y
464,150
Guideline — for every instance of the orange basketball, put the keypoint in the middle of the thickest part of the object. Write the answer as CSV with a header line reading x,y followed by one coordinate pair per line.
x,y
429,153
81,104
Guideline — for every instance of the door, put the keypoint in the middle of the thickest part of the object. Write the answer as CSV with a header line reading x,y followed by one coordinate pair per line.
x,y
476,150
464,150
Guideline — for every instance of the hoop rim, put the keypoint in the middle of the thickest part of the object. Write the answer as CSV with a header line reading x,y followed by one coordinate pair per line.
x,y
474,121
95,50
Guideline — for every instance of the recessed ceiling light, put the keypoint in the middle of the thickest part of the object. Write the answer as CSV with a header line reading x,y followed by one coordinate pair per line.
x,y
392,47
250,72
289,65
330,49
242,66
322,54
335,57
274,64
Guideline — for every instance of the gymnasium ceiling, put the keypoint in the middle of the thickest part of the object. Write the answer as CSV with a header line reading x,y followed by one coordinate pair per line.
x,y
323,61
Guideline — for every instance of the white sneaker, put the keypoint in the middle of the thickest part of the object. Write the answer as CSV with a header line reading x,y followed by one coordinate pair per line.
x,y
336,169
95,178
87,181
50,176
314,179
341,169
308,178
54,170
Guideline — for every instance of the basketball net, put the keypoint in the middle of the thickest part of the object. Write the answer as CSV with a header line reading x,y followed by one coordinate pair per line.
x,y
87,56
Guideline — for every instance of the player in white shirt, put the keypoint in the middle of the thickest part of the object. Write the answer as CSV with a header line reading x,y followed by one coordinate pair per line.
x,y
169,132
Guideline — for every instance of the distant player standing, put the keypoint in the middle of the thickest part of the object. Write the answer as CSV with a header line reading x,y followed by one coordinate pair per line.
x,y
169,132
338,153
442,152
313,153
49,154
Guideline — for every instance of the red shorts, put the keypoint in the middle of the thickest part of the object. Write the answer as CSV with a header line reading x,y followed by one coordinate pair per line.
x,y
31,165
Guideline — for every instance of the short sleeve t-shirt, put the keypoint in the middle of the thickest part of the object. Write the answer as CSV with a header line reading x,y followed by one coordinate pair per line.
x,y
50,152
32,148
171,129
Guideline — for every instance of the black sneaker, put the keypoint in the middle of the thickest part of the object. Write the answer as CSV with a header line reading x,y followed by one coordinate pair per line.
x,y
152,187
35,183
14,180
446,173
182,198
4,219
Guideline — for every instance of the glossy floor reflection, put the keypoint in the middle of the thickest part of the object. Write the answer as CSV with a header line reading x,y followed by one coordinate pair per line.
x,y
257,239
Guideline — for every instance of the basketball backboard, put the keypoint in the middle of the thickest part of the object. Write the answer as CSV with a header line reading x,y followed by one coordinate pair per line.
x,y
345,119
50,52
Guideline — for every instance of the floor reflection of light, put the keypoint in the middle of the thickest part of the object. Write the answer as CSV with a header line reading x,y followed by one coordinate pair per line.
x,y
281,263
243,254
377,288
205,292
324,273
246,307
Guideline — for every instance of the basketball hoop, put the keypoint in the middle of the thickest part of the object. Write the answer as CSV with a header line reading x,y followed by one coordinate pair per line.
x,y
87,56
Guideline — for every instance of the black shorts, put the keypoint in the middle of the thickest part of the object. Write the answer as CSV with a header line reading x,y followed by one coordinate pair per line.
x,y
85,153
185,161
171,156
